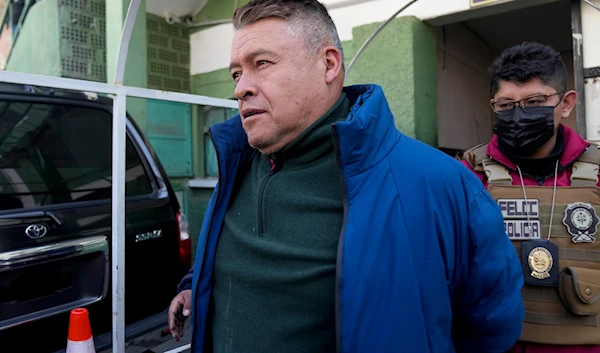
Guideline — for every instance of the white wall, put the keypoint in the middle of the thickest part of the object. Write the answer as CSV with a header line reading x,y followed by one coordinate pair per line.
x,y
349,17
176,7
590,21
210,49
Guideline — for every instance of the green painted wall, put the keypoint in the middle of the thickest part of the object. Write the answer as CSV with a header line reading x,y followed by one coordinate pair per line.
x,y
424,44
216,84
37,49
402,59
136,67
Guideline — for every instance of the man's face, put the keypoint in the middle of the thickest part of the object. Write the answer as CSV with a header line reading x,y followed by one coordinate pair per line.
x,y
279,84
510,91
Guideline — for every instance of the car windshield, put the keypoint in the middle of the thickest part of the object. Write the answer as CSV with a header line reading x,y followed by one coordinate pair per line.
x,y
57,153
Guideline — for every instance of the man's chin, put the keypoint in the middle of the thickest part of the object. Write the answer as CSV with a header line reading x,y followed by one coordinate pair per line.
x,y
264,147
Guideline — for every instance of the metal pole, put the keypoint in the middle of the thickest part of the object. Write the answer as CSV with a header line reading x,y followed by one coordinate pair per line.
x,y
56,82
118,186
118,223
100,87
132,12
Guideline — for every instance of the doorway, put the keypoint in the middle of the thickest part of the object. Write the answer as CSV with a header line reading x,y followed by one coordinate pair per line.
x,y
466,49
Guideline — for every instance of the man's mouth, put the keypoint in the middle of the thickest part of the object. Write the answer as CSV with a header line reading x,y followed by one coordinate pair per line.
x,y
247,113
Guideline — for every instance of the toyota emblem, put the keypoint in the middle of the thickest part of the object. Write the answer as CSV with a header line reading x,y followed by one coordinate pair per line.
x,y
36,231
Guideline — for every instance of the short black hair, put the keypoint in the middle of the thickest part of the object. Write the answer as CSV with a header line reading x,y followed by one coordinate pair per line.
x,y
309,17
527,61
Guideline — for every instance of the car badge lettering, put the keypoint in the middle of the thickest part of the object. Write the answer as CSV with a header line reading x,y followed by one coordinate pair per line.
x,y
148,235
36,231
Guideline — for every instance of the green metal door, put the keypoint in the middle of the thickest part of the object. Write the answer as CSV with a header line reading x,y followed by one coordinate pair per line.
x,y
170,132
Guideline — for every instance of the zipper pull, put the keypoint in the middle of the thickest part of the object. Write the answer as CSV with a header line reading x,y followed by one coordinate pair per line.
x,y
273,162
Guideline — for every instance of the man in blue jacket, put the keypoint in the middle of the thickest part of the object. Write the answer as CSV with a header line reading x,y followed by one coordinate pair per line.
x,y
331,231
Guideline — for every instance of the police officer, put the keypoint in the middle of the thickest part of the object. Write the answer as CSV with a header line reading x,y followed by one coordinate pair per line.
x,y
544,177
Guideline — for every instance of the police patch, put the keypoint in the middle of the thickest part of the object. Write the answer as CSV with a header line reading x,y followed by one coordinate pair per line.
x,y
516,224
518,208
522,230
581,221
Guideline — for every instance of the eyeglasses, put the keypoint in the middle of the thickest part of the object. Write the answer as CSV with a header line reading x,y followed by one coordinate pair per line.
x,y
541,100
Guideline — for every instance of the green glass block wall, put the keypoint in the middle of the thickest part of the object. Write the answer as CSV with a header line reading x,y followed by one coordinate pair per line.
x,y
83,39
168,55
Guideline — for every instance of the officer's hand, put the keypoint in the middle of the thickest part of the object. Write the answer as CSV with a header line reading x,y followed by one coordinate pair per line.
x,y
180,309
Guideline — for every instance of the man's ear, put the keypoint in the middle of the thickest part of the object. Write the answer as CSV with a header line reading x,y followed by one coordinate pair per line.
x,y
333,63
569,101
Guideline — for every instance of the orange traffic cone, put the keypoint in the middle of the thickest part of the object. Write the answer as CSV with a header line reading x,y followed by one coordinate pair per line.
x,y
80,333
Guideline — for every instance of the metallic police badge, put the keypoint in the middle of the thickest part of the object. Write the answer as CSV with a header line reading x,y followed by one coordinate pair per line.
x,y
581,221
540,262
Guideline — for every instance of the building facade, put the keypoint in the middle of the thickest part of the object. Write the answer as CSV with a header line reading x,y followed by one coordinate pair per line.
x,y
431,62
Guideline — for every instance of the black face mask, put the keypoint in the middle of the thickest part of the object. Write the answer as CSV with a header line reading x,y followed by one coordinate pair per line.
x,y
522,133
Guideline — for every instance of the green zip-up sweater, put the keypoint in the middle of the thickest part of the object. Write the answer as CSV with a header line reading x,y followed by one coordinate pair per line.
x,y
275,265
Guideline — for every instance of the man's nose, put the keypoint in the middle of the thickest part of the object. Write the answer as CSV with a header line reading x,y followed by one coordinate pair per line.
x,y
246,87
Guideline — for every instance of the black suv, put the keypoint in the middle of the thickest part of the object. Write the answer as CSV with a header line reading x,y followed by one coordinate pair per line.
x,y
55,221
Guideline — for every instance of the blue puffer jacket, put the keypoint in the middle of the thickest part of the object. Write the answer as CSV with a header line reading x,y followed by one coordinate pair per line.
x,y
424,264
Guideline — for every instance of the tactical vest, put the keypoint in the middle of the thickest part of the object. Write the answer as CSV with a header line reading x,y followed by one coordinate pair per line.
x,y
565,312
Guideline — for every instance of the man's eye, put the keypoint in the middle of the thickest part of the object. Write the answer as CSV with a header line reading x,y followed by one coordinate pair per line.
x,y
261,62
235,75
535,101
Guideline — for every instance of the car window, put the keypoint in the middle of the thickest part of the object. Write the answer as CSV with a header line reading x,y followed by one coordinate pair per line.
x,y
53,154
